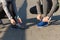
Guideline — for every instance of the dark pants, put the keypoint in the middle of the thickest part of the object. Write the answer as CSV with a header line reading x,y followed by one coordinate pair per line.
x,y
10,8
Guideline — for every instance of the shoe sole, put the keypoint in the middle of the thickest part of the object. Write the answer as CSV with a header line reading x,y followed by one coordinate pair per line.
x,y
43,26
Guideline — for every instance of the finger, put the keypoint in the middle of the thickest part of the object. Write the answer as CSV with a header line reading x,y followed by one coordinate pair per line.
x,y
20,20
13,22
38,18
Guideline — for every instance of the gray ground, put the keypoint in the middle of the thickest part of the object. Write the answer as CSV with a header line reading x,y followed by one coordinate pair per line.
x,y
52,32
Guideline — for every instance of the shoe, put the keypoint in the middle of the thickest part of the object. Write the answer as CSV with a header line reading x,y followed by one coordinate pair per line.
x,y
42,24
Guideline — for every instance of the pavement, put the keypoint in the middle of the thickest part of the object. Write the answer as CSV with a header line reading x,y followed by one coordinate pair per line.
x,y
52,32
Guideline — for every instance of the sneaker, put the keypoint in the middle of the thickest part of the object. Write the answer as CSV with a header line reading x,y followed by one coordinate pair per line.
x,y
42,24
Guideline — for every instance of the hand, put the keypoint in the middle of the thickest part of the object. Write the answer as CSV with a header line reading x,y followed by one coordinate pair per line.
x,y
12,21
39,17
45,19
19,20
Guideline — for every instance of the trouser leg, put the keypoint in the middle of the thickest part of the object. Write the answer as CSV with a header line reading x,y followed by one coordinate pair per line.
x,y
11,10
2,14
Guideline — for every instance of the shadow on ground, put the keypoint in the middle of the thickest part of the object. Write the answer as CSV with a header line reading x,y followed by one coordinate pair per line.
x,y
14,34
32,22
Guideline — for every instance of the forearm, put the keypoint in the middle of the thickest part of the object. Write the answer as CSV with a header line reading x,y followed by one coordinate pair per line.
x,y
7,11
45,6
53,8
4,4
38,7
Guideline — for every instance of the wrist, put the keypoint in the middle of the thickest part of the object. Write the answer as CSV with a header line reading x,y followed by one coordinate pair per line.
x,y
10,18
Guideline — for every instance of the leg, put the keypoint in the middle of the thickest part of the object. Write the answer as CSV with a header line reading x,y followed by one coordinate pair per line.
x,y
2,13
10,7
0,17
